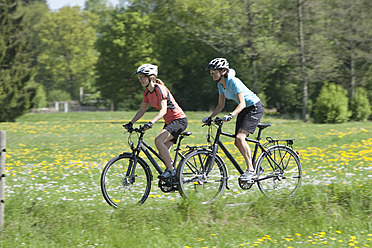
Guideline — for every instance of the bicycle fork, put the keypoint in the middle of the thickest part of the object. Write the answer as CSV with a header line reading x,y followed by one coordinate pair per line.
x,y
210,164
130,176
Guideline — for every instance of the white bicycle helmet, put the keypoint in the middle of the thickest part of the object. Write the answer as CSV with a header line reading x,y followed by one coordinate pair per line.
x,y
147,69
218,63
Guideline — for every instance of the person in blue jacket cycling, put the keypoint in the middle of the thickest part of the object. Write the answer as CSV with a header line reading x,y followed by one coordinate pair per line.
x,y
248,111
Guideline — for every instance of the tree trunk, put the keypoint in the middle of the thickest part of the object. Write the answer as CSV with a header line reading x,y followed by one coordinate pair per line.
x,y
253,53
352,74
305,81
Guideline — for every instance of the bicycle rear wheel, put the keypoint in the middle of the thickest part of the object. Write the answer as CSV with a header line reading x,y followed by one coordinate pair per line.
x,y
282,177
196,180
118,187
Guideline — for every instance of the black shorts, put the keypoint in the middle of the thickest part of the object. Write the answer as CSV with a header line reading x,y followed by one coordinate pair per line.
x,y
249,118
176,127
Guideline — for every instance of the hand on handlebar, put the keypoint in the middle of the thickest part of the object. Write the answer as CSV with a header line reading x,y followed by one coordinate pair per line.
x,y
207,120
227,118
148,125
128,126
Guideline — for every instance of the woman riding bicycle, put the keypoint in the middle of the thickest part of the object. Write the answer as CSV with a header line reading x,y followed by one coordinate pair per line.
x,y
158,96
249,109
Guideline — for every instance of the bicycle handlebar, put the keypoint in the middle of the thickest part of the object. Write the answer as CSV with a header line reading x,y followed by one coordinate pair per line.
x,y
216,120
137,130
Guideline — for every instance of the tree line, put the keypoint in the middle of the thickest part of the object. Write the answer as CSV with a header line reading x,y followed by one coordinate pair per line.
x,y
297,55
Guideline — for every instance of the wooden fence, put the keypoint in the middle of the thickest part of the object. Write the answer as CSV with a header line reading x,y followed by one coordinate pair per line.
x,y
2,177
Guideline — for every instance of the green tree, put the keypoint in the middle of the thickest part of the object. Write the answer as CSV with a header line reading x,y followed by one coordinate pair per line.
x,y
33,14
360,106
33,1
67,58
332,105
124,45
182,58
349,24
252,35
16,94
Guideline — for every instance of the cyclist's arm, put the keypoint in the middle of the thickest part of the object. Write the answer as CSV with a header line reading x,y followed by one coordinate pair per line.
x,y
162,111
140,112
220,105
241,104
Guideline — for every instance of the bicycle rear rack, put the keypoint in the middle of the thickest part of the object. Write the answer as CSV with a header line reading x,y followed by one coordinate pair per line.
x,y
289,142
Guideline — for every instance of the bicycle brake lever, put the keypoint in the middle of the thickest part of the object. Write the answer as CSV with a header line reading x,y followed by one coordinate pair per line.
x,y
207,123
128,131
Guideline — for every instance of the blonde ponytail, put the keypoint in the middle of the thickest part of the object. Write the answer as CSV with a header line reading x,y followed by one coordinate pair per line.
x,y
157,80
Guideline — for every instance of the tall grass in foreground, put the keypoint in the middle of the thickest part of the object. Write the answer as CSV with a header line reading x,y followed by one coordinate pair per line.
x,y
338,218
53,197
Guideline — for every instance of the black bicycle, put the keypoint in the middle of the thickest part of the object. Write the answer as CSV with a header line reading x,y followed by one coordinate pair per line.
x,y
203,172
127,177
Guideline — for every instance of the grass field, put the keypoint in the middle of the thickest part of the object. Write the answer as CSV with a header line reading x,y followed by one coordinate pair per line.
x,y
53,197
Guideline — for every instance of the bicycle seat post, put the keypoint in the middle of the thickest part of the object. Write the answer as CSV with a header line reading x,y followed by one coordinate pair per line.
x,y
259,134
261,126
180,138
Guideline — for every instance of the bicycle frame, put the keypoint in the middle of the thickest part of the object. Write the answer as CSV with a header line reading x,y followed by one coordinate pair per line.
x,y
277,170
218,142
147,150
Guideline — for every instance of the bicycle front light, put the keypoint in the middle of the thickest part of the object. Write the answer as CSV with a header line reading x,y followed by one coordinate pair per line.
x,y
131,144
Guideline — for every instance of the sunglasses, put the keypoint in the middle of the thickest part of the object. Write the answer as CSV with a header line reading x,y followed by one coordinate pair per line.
x,y
215,72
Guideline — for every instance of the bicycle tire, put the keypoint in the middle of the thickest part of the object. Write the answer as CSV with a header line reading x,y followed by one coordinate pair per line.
x,y
196,182
274,182
117,188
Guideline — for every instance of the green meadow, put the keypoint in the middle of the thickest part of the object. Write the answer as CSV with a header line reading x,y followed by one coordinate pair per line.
x,y
53,198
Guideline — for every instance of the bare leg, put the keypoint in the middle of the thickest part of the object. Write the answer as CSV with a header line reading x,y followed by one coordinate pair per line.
x,y
243,147
163,143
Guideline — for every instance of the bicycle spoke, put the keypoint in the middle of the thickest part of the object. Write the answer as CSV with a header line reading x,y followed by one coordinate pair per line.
x,y
119,187
282,172
196,182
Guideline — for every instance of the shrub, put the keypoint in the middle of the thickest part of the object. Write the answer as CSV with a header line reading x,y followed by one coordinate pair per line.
x,y
331,105
58,95
39,100
360,106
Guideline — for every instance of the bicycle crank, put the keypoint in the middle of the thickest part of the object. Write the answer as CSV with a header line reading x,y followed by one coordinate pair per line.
x,y
245,185
167,185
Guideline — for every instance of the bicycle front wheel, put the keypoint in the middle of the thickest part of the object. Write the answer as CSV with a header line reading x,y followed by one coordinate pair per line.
x,y
119,185
197,179
279,171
